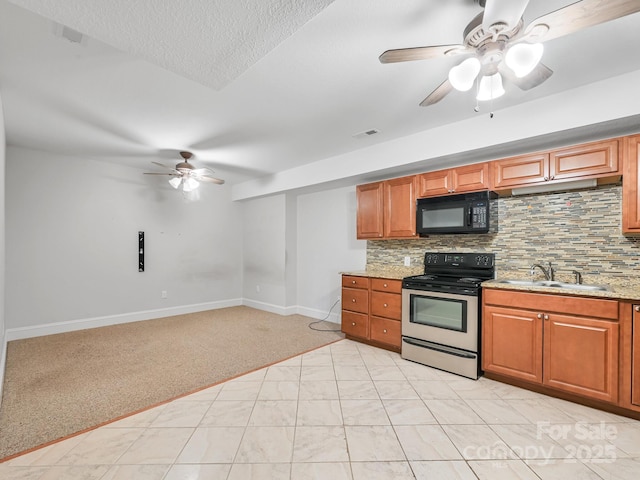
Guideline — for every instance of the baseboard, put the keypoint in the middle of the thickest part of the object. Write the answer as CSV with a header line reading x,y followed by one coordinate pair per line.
x,y
72,325
81,324
269,307
333,317
3,363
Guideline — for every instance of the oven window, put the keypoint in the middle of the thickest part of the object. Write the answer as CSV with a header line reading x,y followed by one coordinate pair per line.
x,y
444,217
439,312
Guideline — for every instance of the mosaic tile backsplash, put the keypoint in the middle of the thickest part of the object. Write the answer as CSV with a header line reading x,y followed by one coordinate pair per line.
x,y
574,230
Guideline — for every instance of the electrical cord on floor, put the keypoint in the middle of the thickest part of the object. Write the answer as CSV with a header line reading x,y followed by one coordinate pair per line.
x,y
323,319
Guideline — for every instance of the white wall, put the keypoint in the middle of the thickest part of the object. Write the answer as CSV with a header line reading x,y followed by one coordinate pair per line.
x,y
327,245
3,351
264,243
72,229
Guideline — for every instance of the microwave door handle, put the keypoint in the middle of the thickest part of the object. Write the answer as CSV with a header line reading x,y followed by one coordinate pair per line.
x,y
469,216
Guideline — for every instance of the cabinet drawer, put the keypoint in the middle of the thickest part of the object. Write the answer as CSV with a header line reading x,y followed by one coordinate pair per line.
x,y
355,324
385,331
386,285
589,307
388,305
353,281
355,300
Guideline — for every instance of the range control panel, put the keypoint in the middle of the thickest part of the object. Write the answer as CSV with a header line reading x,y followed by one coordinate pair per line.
x,y
465,260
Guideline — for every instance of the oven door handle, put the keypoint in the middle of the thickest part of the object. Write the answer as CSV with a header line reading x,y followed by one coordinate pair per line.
x,y
437,348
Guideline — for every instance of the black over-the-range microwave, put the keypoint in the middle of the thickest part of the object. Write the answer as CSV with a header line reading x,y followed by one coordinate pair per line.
x,y
463,213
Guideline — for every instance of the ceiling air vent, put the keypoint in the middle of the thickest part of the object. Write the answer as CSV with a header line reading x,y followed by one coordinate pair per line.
x,y
69,34
366,134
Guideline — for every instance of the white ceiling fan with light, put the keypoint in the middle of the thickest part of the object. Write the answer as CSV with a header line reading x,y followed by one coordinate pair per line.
x,y
185,176
499,46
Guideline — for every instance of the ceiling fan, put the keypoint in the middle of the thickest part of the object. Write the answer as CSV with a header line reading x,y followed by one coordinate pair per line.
x,y
497,44
185,176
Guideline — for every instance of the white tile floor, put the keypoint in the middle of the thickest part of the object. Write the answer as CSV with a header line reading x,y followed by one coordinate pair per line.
x,y
349,411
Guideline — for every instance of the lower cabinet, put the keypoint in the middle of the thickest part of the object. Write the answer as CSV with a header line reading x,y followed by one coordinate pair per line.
x,y
635,356
372,309
564,342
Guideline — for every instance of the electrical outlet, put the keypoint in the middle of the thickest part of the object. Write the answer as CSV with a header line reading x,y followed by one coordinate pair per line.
x,y
407,261
163,294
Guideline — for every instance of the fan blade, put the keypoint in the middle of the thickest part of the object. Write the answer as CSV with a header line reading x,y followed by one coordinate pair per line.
x,y
421,53
155,173
438,94
577,16
506,12
162,165
201,171
206,178
539,75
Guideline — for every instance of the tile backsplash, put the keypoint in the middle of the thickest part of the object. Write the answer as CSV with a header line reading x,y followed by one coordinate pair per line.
x,y
575,230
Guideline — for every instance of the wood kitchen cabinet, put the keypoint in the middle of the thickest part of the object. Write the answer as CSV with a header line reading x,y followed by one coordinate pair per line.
x,y
566,343
635,356
470,178
630,186
588,160
630,355
378,320
387,209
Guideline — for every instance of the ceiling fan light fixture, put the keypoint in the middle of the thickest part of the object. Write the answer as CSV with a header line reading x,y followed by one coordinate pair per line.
x,y
463,75
190,184
522,58
175,182
490,87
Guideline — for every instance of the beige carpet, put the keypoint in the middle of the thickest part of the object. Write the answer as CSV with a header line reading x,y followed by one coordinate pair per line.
x,y
58,385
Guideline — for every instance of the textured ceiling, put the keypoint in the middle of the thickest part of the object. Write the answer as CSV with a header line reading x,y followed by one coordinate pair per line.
x,y
211,42
255,88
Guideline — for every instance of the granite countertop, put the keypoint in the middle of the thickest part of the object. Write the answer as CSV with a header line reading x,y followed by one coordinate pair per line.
x,y
626,291
392,273
615,292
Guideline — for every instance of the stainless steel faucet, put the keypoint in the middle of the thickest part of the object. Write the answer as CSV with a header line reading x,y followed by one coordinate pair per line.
x,y
578,276
549,273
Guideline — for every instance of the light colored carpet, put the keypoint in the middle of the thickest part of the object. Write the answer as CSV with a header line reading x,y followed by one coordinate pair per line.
x,y
58,385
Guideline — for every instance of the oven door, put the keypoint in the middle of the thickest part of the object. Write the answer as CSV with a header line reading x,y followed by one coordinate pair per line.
x,y
444,318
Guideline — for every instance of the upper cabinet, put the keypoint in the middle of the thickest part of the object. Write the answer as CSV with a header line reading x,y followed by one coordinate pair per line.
x,y
470,178
630,190
589,160
387,209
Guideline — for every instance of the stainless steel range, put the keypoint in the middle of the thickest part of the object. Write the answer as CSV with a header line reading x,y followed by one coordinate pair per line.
x,y
441,311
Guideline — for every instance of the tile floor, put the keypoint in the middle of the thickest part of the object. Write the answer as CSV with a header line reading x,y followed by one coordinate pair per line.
x,y
349,411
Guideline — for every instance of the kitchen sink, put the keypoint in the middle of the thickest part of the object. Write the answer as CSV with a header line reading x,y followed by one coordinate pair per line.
x,y
554,284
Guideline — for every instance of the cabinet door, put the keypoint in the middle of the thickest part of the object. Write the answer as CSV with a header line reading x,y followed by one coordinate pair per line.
x,y
386,331
369,217
630,186
432,184
400,207
386,285
597,159
521,171
388,305
581,356
355,324
471,178
635,356
512,343
355,300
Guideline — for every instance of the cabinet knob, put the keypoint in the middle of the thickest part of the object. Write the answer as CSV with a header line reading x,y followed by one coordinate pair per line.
x,y
540,316
353,281
353,324
637,308
353,300
385,305
546,317
384,331
385,285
